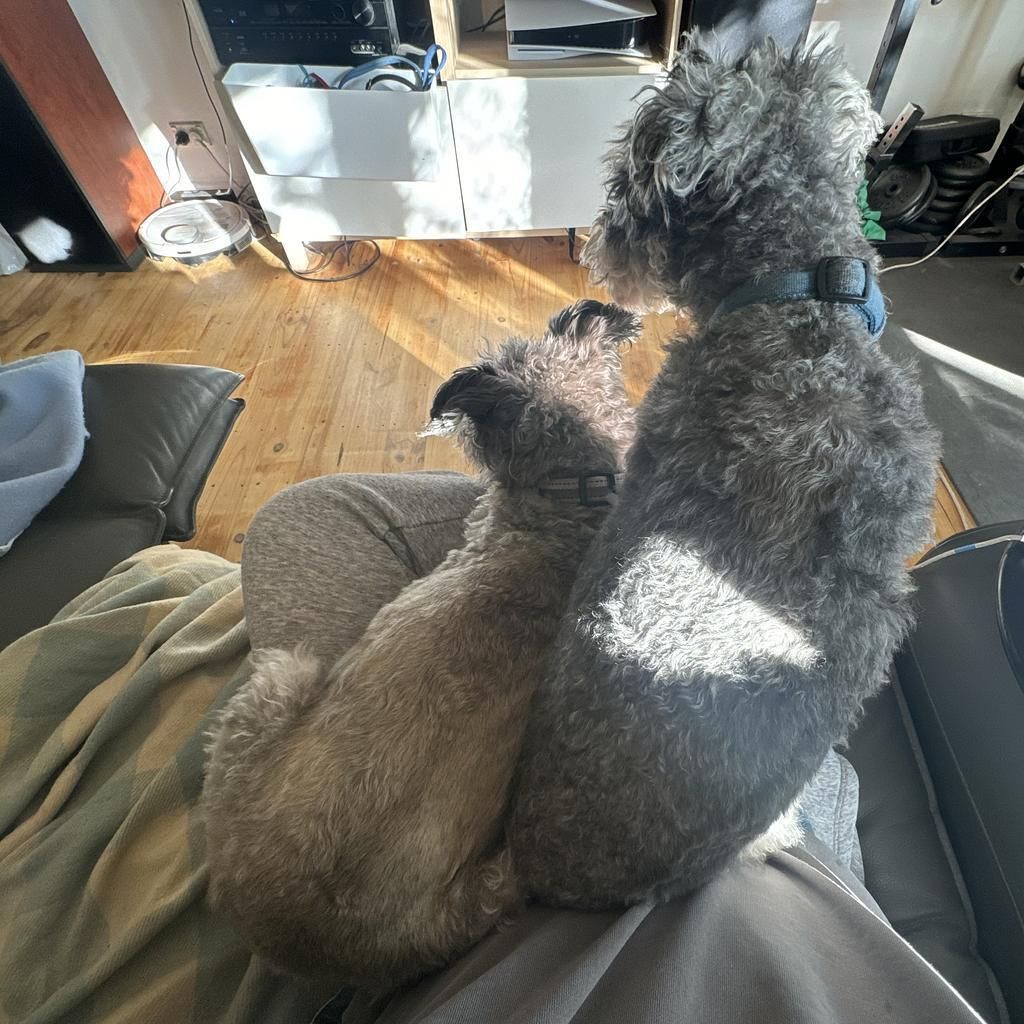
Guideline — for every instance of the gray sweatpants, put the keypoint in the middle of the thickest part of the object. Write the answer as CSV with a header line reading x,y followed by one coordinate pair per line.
x,y
797,940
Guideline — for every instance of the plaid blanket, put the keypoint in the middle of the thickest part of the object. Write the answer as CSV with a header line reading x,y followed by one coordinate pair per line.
x,y
102,865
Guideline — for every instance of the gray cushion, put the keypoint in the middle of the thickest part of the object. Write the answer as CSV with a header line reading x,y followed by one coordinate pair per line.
x,y
964,687
155,432
55,560
908,867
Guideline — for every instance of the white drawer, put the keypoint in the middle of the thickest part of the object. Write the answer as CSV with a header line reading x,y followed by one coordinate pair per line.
x,y
335,133
317,209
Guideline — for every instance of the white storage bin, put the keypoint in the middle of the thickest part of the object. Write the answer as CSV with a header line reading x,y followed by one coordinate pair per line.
x,y
330,133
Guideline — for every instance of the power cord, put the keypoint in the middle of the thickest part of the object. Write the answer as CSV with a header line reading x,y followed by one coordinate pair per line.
x,y
165,197
254,210
498,15
213,157
209,95
328,258
247,200
385,77
1009,538
963,220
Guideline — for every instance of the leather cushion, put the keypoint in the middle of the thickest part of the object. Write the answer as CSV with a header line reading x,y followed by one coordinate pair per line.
x,y
155,430
964,691
194,470
908,867
54,560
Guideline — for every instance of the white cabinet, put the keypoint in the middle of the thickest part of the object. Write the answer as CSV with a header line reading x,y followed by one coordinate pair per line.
x,y
530,150
320,208
500,146
512,154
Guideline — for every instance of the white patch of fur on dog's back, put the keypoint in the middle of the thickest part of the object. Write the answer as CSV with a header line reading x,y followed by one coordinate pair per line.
x,y
709,627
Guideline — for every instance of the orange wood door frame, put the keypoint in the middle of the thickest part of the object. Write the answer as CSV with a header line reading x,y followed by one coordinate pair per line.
x,y
47,54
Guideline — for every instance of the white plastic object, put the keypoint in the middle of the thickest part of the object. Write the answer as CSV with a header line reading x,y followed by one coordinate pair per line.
x,y
384,134
12,259
195,230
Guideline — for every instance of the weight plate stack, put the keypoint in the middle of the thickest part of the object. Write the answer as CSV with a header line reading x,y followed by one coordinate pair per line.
x,y
958,186
945,205
901,193
964,170
956,193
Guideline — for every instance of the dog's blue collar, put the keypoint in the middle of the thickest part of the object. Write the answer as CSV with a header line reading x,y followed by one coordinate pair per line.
x,y
842,279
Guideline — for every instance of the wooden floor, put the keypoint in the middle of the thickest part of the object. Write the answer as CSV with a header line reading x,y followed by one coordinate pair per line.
x,y
339,377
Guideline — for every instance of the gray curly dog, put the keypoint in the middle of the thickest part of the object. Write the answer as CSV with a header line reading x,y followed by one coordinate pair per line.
x,y
747,592
354,812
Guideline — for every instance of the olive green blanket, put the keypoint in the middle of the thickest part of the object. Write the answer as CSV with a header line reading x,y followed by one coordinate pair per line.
x,y
102,866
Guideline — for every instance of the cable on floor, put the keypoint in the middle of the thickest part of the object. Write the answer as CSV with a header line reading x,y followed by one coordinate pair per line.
x,y
963,220
328,258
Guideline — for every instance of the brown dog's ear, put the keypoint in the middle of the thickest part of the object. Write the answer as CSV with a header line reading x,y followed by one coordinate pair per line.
x,y
603,322
481,393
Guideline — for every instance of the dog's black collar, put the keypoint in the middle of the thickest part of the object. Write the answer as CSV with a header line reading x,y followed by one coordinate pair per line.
x,y
842,279
591,490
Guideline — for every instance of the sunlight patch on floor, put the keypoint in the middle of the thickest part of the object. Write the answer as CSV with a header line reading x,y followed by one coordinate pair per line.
x,y
994,376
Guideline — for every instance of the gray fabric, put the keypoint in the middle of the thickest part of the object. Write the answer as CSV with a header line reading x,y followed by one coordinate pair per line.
x,y
830,805
321,557
788,942
796,940
963,321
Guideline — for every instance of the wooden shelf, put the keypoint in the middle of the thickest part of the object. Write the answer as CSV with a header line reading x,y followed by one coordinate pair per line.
x,y
485,55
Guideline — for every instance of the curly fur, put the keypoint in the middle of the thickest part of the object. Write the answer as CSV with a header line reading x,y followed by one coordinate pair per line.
x,y
748,590
354,812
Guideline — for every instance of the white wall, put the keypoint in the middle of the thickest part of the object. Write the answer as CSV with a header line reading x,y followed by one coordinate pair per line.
x,y
142,46
962,57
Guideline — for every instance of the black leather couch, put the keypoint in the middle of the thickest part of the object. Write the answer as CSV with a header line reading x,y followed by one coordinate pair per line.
x,y
155,433
940,756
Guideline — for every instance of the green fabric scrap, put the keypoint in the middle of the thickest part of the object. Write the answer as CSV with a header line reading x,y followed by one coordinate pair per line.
x,y
869,219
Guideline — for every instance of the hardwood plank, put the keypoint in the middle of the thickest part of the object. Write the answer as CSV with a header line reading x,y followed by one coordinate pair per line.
x,y
50,59
339,377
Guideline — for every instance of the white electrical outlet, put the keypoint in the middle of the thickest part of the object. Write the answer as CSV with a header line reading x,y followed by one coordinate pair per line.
x,y
195,129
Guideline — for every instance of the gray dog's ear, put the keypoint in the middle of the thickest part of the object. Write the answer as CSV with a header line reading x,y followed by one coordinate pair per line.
x,y
602,322
482,393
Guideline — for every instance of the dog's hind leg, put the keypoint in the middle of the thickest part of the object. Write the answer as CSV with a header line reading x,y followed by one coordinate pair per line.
x,y
267,704
480,897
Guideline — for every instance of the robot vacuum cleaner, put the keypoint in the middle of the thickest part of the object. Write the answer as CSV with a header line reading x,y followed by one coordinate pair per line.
x,y
195,231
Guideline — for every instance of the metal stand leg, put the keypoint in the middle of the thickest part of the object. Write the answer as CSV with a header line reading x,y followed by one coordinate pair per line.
x,y
891,49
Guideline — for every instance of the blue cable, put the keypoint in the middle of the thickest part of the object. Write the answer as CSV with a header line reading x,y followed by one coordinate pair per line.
x,y
426,73
430,74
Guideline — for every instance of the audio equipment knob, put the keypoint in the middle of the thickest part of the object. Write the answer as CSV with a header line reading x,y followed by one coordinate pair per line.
x,y
362,13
